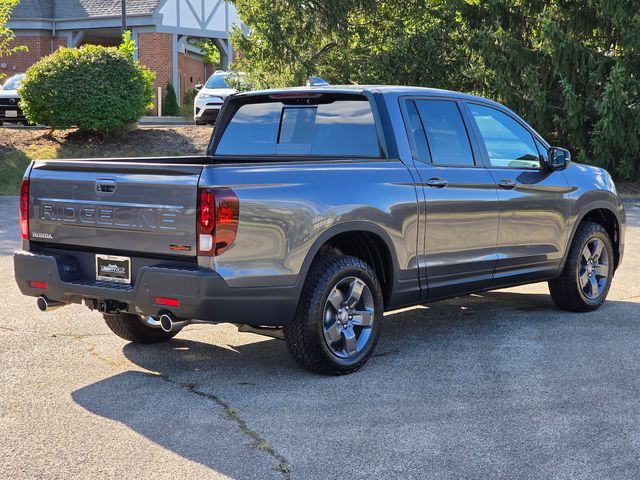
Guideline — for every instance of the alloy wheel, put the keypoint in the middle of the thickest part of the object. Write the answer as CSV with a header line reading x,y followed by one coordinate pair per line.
x,y
593,269
348,318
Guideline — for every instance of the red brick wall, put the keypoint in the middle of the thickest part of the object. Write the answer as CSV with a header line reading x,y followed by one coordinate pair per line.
x,y
39,46
155,51
192,72
61,42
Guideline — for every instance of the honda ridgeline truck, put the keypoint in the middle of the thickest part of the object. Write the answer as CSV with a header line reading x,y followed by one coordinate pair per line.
x,y
314,211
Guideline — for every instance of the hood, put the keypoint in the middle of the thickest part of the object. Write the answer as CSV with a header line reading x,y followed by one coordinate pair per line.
x,y
220,92
592,169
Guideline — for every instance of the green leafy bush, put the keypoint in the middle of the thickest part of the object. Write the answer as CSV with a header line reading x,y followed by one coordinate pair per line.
x,y
187,104
170,106
94,88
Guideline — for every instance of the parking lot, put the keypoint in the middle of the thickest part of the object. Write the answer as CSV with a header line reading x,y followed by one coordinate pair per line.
x,y
497,385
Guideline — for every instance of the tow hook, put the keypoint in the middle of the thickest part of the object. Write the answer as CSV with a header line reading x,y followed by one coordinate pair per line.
x,y
110,306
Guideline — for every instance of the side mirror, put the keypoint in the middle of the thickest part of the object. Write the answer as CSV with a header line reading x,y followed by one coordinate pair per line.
x,y
558,159
198,87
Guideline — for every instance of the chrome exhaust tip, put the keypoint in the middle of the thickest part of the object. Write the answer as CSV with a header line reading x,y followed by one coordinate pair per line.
x,y
169,323
47,305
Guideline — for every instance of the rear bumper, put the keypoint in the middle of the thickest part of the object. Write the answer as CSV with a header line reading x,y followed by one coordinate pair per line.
x,y
203,294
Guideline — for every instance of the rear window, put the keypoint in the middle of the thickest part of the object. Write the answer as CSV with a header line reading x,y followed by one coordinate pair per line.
x,y
340,128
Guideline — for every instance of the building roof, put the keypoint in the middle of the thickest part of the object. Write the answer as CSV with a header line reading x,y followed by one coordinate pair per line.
x,y
77,9
33,9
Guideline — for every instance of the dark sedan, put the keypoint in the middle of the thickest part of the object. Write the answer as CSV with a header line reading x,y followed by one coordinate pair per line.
x,y
10,111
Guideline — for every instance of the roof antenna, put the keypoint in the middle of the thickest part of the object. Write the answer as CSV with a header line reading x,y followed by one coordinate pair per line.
x,y
317,82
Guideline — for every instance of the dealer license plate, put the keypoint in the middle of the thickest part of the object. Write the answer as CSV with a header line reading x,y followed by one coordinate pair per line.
x,y
110,268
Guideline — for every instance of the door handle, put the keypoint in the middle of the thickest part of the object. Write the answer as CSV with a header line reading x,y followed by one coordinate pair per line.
x,y
507,184
437,182
105,185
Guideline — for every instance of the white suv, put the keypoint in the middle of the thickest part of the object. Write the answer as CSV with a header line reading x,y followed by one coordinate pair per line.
x,y
212,94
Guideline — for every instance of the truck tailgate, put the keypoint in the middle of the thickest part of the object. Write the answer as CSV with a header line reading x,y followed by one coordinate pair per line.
x,y
115,205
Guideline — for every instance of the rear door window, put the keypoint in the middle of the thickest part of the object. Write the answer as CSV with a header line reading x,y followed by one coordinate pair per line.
x,y
341,128
419,147
446,133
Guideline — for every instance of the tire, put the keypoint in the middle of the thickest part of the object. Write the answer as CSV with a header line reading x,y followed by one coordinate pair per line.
x,y
129,327
323,337
581,287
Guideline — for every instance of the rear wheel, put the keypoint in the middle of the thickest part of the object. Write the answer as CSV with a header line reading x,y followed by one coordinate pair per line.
x,y
588,271
130,327
339,316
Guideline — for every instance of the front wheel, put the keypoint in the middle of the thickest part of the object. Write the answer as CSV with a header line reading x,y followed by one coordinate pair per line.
x,y
588,271
339,315
130,327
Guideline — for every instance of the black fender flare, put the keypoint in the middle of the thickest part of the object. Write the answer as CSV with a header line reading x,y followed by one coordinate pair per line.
x,y
597,205
345,227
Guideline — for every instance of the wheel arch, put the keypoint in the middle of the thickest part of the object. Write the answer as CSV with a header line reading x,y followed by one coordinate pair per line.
x,y
606,215
363,240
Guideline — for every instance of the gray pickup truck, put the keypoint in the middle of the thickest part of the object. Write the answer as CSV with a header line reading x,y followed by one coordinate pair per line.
x,y
314,211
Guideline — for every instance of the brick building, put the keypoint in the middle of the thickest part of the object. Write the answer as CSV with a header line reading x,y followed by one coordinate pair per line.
x,y
164,32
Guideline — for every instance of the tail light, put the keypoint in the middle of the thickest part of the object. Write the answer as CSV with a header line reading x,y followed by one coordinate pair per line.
x,y
218,211
24,209
294,95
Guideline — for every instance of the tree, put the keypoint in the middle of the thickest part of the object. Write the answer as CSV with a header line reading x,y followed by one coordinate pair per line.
x,y
572,69
352,41
6,35
211,54
170,105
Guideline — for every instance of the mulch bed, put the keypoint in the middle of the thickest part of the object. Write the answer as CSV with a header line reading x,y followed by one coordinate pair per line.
x,y
184,140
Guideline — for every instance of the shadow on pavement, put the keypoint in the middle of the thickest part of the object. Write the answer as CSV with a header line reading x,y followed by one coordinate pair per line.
x,y
173,418
477,386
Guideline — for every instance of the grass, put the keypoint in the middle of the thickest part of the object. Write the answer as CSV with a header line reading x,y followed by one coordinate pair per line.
x,y
12,168
14,164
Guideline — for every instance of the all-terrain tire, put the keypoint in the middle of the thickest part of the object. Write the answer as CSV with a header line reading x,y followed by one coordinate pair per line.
x,y
130,327
566,290
304,335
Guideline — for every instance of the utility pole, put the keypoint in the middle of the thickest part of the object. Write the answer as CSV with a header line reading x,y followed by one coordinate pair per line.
x,y
124,16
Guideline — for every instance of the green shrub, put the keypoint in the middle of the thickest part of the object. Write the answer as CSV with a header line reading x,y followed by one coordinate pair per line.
x,y
94,88
170,106
187,103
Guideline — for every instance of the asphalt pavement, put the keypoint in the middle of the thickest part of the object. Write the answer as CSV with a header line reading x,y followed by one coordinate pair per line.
x,y
495,385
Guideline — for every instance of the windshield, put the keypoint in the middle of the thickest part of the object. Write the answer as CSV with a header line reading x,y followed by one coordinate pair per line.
x,y
225,81
13,83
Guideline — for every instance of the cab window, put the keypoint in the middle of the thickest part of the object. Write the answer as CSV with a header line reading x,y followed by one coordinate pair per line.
x,y
446,135
508,143
330,128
